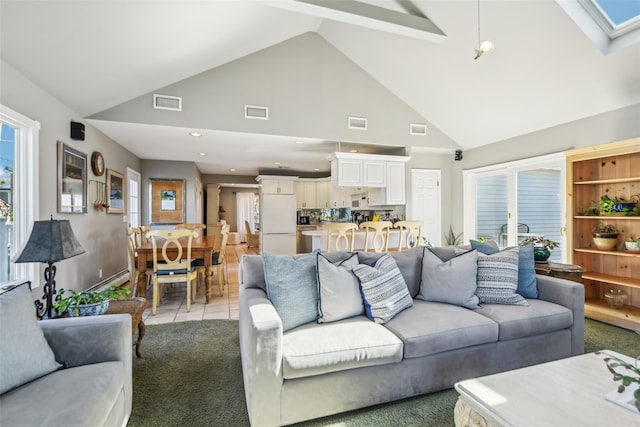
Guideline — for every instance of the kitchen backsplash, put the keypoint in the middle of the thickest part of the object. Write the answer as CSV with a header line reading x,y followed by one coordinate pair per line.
x,y
348,215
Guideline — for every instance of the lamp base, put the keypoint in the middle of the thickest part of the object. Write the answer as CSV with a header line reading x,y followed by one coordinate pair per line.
x,y
44,311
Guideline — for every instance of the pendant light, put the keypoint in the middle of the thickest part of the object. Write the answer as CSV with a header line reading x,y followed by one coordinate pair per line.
x,y
484,46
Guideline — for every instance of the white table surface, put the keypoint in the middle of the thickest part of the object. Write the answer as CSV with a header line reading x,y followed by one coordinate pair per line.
x,y
567,392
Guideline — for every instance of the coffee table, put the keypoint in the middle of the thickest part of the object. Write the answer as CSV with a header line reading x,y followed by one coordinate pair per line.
x,y
566,392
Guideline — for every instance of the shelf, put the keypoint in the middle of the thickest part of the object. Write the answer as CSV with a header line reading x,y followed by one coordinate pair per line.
x,y
608,181
607,217
627,317
609,278
614,253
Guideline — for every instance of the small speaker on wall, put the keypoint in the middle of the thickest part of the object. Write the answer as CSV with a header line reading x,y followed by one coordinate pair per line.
x,y
458,155
77,131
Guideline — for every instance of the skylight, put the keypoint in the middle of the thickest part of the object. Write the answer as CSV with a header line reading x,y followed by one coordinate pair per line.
x,y
615,17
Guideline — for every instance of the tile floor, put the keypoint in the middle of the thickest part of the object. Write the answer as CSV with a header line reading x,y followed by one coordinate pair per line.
x,y
173,307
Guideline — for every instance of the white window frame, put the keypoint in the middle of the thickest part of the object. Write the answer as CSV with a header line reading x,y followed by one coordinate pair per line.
x,y
510,170
133,175
26,188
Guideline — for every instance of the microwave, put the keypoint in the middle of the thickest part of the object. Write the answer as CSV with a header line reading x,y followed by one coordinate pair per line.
x,y
359,201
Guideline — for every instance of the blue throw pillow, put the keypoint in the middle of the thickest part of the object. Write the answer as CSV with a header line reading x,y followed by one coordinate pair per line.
x,y
527,285
498,278
292,288
384,290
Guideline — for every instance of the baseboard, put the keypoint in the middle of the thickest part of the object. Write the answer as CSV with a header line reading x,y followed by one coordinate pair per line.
x,y
117,279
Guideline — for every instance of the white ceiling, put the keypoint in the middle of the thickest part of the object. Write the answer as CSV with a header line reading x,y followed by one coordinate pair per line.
x,y
94,55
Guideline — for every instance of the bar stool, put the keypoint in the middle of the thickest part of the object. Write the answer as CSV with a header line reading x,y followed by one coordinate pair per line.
x,y
379,231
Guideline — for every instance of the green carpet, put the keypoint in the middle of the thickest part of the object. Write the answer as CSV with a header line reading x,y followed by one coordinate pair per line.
x,y
191,375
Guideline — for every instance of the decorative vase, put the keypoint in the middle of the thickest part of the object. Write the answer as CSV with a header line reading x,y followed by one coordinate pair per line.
x,y
541,254
94,309
616,298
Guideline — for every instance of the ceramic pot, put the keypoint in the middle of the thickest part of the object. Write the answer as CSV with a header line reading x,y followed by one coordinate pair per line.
x,y
605,242
541,254
94,309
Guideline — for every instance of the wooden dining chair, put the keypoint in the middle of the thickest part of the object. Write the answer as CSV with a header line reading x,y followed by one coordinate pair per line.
x,y
410,232
199,228
218,261
340,230
377,232
174,263
136,237
220,233
253,239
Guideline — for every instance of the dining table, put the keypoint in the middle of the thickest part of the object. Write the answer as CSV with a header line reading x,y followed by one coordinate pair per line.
x,y
201,248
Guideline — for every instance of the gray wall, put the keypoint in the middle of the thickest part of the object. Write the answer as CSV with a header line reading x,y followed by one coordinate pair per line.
x,y
167,169
101,235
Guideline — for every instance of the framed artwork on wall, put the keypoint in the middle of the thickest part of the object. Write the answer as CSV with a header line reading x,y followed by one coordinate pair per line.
x,y
167,200
72,180
115,190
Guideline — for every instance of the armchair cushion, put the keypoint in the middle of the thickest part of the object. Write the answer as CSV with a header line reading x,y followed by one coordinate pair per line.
x,y
25,354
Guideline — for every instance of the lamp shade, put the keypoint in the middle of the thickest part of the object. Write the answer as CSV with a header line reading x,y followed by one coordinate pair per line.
x,y
50,241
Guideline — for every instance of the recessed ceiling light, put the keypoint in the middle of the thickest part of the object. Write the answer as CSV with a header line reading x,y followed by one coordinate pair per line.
x,y
202,154
195,134
353,150
232,169
316,169
299,142
276,163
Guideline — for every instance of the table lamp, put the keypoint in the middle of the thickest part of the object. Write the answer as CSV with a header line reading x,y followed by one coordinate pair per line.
x,y
50,241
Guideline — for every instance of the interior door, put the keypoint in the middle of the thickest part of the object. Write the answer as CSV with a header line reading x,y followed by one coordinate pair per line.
x,y
426,203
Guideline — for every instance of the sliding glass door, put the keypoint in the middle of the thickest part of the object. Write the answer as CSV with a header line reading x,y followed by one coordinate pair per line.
x,y
511,202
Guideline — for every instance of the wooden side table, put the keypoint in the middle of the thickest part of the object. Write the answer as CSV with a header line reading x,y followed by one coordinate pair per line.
x,y
562,271
135,307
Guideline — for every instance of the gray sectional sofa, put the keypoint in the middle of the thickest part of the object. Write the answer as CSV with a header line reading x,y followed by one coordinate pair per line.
x,y
318,369
62,372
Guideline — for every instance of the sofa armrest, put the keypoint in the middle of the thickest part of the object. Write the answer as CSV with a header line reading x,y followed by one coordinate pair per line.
x,y
85,340
568,294
261,352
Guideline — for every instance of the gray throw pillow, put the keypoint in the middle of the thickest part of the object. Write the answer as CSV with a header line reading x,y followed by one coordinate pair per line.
x,y
25,354
452,281
383,288
339,289
292,288
498,278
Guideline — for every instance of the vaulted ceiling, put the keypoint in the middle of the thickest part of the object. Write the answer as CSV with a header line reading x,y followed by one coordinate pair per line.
x,y
97,56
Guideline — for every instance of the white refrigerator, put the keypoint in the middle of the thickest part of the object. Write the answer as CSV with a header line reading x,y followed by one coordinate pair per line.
x,y
278,224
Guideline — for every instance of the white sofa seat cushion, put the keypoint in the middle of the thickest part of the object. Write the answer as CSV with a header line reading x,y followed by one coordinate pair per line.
x,y
539,317
433,327
314,349
82,396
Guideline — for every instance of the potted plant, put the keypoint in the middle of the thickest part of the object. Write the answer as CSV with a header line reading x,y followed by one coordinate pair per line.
x,y
611,206
632,244
88,303
628,374
605,236
542,247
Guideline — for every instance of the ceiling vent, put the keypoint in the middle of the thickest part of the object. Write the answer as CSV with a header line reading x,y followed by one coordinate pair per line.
x,y
256,112
417,129
167,102
359,123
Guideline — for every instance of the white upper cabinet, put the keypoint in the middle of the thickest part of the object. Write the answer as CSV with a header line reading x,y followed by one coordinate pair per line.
x,y
394,192
306,195
277,184
349,172
323,193
374,173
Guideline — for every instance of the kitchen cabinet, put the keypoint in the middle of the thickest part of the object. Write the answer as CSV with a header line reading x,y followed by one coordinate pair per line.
x,y
614,170
306,194
340,197
374,173
323,193
348,172
277,184
363,170
394,192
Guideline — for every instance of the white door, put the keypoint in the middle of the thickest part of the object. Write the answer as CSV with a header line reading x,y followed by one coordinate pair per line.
x,y
426,203
133,207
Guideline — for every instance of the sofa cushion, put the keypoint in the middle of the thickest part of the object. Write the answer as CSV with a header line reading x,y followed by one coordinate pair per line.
x,y
538,318
314,349
498,278
432,327
25,353
384,291
80,396
452,281
339,289
292,288
409,262
527,285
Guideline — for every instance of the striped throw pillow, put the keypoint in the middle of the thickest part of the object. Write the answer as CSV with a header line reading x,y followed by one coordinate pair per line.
x,y
498,278
384,290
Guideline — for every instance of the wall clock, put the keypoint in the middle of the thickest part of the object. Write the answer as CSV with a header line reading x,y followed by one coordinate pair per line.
x,y
97,163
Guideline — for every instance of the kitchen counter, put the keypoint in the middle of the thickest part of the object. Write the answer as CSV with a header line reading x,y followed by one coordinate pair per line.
x,y
317,239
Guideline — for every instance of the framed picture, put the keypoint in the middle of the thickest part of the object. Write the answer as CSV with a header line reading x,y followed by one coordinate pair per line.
x,y
72,180
167,200
115,190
